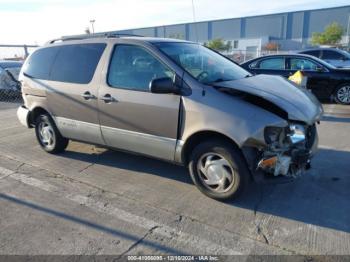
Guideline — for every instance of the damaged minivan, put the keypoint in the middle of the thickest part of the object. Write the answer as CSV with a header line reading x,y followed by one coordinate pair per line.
x,y
173,100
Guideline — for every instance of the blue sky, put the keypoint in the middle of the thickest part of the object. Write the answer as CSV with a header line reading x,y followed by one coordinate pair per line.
x,y
37,21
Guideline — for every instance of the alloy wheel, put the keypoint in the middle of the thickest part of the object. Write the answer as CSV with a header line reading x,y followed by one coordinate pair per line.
x,y
343,94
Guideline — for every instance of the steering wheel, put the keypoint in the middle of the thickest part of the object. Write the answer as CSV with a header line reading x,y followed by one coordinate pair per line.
x,y
203,75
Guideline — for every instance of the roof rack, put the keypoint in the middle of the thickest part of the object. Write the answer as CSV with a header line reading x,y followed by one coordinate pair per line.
x,y
82,37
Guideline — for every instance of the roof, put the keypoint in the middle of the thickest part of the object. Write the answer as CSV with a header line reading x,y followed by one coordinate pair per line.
x,y
92,37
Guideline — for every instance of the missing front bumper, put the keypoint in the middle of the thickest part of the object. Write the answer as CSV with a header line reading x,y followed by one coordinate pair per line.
x,y
292,164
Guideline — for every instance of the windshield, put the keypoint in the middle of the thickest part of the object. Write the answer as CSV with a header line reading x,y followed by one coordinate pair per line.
x,y
344,53
322,62
202,63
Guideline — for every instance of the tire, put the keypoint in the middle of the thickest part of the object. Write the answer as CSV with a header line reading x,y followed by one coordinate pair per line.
x,y
48,136
342,94
218,157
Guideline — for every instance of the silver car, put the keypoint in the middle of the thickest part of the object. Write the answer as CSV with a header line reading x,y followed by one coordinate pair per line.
x,y
173,100
336,57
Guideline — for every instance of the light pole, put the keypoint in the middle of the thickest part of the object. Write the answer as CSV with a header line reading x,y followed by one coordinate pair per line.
x,y
348,33
92,25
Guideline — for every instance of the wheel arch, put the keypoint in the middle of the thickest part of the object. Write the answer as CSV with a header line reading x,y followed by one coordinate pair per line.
x,y
35,112
193,140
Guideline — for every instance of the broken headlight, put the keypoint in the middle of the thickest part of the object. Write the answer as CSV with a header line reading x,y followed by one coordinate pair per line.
x,y
297,133
274,134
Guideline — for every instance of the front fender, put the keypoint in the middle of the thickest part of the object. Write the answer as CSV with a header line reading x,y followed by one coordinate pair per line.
x,y
242,122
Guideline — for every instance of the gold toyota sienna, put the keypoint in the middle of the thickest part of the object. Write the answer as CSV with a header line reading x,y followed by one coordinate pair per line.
x,y
173,100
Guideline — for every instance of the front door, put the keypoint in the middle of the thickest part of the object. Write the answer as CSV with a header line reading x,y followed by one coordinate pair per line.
x,y
131,117
317,80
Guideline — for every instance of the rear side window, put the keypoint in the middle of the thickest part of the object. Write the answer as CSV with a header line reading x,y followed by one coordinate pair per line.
x,y
273,63
40,62
76,63
328,54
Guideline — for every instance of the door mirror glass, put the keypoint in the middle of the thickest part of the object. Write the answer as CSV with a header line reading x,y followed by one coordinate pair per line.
x,y
164,85
320,68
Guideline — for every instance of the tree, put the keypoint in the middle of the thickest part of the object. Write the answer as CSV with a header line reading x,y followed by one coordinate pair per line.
x,y
87,30
219,45
331,35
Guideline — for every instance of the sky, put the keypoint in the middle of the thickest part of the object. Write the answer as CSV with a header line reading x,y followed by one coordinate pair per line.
x,y
37,21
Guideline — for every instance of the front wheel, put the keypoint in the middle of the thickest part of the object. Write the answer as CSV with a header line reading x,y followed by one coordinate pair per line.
x,y
342,94
218,169
48,135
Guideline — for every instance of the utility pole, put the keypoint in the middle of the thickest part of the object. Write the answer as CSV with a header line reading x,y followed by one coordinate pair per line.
x,y
92,25
348,32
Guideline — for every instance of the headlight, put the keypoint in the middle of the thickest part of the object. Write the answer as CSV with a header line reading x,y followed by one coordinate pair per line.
x,y
273,134
297,133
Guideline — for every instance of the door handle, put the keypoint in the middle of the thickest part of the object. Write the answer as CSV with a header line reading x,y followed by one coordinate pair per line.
x,y
87,95
107,98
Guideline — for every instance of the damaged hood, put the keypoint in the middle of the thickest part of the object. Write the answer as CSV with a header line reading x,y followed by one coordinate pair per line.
x,y
299,103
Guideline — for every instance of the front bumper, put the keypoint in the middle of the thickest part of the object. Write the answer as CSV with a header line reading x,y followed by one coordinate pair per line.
x,y
23,116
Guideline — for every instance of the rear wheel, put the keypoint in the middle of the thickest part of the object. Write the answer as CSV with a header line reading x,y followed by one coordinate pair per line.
x,y
48,135
342,94
218,169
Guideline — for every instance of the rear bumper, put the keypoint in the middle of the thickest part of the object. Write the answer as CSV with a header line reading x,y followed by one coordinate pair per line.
x,y
23,116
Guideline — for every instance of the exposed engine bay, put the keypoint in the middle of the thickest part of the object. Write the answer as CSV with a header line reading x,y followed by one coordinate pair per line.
x,y
289,150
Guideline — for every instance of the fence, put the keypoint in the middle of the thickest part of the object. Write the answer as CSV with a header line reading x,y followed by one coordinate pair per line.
x,y
11,59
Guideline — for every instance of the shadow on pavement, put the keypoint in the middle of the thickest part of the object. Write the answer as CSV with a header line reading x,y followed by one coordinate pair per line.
x,y
320,197
137,163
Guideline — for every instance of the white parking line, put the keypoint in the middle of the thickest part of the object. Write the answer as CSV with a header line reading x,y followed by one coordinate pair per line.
x,y
4,172
161,229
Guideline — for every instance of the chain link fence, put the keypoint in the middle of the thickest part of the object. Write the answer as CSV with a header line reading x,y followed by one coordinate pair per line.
x,y
11,60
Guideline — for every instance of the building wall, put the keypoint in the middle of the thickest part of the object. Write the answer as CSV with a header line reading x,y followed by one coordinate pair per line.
x,y
291,30
226,29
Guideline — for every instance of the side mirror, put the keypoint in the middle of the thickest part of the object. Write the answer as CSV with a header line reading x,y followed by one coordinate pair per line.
x,y
164,85
320,69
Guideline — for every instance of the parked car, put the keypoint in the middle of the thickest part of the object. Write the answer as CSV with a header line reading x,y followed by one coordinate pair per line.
x,y
333,56
189,105
324,80
9,84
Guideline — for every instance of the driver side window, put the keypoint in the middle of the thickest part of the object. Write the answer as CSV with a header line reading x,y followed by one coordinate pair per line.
x,y
302,64
132,67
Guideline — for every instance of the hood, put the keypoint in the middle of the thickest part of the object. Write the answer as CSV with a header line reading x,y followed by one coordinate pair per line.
x,y
299,103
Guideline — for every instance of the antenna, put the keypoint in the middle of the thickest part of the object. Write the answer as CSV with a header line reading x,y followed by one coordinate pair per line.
x,y
194,21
